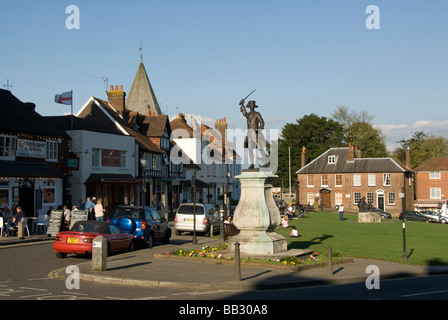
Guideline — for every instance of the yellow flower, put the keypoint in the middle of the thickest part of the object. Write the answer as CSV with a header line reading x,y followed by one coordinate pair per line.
x,y
285,262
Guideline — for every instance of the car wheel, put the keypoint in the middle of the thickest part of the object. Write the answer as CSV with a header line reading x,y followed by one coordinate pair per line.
x,y
150,241
131,246
167,237
177,233
61,255
443,221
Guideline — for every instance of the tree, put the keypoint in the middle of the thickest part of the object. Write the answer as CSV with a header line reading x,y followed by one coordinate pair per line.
x,y
359,131
423,147
317,134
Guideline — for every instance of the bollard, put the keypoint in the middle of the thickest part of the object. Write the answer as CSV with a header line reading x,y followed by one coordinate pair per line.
x,y
21,230
330,262
237,262
99,254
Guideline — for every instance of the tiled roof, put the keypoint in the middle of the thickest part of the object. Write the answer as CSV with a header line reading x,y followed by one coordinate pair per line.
x,y
141,140
141,97
434,164
358,165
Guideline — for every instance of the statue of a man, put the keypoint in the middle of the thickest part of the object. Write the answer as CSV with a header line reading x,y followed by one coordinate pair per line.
x,y
255,124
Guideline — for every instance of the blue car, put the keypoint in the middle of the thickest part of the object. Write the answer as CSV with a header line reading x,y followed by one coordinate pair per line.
x,y
145,223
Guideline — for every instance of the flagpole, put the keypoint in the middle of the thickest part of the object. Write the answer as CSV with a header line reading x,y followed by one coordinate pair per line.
x,y
71,123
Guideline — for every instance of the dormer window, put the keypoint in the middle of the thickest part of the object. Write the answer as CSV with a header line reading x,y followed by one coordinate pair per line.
x,y
332,159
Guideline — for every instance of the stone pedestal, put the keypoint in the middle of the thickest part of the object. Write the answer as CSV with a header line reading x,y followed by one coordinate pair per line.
x,y
257,216
369,217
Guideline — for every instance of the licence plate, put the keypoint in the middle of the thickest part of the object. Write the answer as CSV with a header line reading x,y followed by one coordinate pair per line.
x,y
188,220
72,240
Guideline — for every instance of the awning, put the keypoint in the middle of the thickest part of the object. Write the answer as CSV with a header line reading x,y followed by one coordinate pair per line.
x,y
96,178
33,170
429,203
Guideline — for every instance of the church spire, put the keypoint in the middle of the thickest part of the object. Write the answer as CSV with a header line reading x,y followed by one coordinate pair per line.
x,y
141,97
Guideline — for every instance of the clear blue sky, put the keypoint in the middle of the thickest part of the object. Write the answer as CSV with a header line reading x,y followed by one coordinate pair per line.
x,y
203,56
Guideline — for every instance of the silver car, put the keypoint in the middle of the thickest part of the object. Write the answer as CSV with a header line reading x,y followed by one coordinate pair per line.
x,y
206,216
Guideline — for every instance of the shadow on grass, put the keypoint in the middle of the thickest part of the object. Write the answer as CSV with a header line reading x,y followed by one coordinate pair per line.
x,y
310,243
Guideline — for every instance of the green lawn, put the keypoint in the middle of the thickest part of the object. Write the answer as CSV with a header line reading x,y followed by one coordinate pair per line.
x,y
426,243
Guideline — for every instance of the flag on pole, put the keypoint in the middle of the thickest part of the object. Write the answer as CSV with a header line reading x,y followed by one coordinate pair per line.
x,y
64,98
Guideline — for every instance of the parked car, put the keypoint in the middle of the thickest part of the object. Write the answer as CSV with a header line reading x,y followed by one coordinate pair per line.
x,y
443,219
79,239
206,216
434,215
382,213
415,216
144,223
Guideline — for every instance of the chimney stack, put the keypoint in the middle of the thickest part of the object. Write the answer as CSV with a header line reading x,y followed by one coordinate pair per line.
x,y
358,153
303,162
408,158
221,126
350,153
117,97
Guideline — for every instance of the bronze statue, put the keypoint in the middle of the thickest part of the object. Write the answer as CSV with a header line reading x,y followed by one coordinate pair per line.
x,y
363,206
255,124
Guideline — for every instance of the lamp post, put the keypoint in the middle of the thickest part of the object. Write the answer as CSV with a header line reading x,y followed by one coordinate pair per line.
x,y
193,186
404,257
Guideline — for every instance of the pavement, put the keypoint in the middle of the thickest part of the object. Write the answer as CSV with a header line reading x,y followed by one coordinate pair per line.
x,y
152,268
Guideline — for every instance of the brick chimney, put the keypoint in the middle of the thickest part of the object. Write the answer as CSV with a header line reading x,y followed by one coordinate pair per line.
x,y
221,126
358,153
408,158
117,97
350,153
303,160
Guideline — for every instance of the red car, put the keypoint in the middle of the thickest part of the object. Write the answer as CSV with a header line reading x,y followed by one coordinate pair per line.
x,y
80,238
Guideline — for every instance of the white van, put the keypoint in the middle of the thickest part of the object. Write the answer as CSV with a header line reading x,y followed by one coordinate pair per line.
x,y
206,216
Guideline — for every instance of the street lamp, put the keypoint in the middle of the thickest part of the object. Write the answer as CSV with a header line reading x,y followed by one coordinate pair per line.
x,y
193,186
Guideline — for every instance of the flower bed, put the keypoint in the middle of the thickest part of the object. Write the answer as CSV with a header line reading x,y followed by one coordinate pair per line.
x,y
219,254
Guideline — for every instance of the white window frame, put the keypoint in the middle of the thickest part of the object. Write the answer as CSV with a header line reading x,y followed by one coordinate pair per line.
x,y
52,150
387,179
370,197
372,180
96,157
435,193
356,179
434,175
310,198
391,198
337,198
356,197
8,147
322,180
336,180
332,159
308,180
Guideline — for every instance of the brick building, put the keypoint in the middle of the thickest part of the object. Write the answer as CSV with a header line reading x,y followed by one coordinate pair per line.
x,y
431,183
341,175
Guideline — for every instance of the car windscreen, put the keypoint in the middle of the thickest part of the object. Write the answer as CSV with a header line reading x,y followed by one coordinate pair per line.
x,y
90,228
188,209
133,213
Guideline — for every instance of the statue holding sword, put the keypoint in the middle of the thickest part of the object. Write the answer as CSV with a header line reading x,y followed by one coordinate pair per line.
x,y
255,125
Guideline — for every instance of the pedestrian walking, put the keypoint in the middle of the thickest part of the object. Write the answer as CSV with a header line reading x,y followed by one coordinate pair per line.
x,y
341,212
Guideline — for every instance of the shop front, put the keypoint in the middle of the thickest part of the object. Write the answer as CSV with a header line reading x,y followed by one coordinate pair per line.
x,y
113,189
